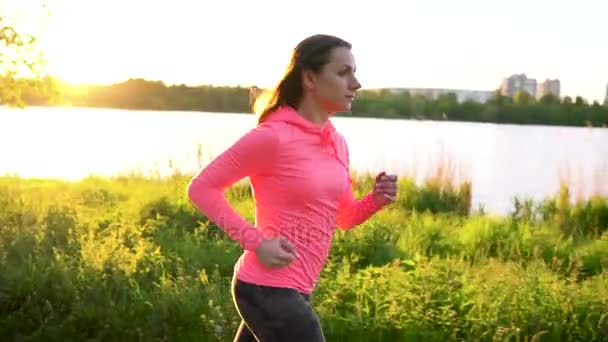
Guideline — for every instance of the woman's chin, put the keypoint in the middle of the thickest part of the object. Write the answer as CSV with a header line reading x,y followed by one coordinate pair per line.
x,y
339,108
344,108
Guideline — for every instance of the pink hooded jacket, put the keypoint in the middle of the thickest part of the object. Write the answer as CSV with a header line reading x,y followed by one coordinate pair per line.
x,y
299,173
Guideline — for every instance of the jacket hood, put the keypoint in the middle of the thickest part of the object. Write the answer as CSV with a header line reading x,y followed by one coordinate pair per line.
x,y
290,115
327,134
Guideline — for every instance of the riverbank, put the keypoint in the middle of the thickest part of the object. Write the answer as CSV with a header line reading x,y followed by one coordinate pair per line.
x,y
129,258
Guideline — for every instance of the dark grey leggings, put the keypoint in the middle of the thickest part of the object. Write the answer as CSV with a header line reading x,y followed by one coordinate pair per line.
x,y
274,314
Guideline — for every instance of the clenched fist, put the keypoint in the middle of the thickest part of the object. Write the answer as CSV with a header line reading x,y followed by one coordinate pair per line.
x,y
385,188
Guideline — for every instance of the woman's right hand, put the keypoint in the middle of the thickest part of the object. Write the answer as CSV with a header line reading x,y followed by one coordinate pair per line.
x,y
276,253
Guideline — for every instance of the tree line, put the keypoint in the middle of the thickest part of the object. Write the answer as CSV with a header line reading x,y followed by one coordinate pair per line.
x,y
155,95
520,109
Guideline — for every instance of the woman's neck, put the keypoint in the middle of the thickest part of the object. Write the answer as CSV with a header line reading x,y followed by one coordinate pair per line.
x,y
312,111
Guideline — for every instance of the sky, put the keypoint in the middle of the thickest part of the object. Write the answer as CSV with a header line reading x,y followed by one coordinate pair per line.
x,y
466,44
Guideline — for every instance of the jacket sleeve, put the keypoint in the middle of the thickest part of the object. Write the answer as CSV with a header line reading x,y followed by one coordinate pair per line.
x,y
251,155
353,211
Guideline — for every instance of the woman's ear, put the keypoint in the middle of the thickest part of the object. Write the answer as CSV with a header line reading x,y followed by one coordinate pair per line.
x,y
308,80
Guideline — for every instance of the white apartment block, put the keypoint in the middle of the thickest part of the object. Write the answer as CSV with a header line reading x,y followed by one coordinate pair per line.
x,y
517,82
548,87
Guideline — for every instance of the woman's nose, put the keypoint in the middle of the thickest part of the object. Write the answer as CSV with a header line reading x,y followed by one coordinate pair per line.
x,y
355,85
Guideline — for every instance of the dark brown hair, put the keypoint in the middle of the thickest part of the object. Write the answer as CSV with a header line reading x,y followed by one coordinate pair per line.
x,y
311,54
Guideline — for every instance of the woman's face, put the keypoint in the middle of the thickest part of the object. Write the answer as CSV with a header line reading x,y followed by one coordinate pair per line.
x,y
335,85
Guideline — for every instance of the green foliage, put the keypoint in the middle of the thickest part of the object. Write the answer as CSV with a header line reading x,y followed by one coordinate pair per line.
x,y
130,258
21,65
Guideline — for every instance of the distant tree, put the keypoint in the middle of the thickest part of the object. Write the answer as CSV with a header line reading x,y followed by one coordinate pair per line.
x,y
579,101
21,66
549,99
497,99
522,97
446,103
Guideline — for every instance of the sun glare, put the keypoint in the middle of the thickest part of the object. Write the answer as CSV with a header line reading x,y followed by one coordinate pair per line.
x,y
103,42
79,46
80,41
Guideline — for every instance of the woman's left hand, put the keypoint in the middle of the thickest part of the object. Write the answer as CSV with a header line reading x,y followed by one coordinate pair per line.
x,y
385,188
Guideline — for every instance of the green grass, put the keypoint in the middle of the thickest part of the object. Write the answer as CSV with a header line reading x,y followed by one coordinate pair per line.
x,y
130,259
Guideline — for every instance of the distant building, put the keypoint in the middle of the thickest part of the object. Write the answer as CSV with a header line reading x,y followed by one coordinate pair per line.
x,y
462,95
548,87
511,85
606,98
530,87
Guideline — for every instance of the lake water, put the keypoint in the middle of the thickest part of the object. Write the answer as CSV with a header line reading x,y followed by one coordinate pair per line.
x,y
502,161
